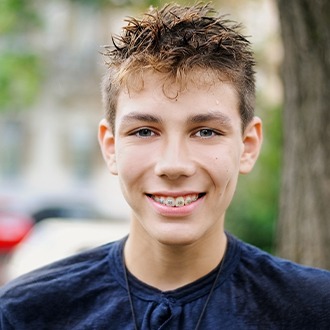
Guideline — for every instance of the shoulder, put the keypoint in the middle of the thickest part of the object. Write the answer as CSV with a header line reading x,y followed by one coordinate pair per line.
x,y
283,278
62,293
270,292
65,274
268,264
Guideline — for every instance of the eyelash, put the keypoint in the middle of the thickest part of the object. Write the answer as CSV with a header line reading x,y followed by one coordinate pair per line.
x,y
209,130
146,130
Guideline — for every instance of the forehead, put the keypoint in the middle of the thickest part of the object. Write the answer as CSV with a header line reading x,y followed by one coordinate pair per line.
x,y
177,101
168,86
173,84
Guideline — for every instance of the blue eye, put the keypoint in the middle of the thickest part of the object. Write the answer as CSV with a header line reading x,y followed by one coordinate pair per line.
x,y
206,133
144,132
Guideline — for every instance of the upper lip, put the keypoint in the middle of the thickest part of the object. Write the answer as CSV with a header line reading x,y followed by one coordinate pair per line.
x,y
174,193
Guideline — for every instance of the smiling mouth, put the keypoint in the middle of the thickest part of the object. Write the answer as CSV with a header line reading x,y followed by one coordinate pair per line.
x,y
178,201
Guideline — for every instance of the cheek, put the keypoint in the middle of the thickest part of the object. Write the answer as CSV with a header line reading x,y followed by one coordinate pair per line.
x,y
129,174
131,164
224,171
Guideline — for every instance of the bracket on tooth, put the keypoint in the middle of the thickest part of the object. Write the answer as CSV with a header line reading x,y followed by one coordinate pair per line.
x,y
175,202
179,201
170,201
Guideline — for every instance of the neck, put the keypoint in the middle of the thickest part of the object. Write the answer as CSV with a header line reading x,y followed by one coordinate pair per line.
x,y
168,267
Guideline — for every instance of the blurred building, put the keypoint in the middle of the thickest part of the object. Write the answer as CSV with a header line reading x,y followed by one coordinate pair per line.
x,y
50,149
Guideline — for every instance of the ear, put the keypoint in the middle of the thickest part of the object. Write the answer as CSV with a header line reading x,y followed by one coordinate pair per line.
x,y
252,141
107,144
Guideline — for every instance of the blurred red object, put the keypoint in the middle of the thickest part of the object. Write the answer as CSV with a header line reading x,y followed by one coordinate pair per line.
x,y
13,228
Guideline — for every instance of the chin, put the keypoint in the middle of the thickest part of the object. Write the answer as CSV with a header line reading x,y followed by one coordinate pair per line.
x,y
176,238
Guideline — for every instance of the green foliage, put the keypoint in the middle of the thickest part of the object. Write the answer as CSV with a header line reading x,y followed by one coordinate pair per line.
x,y
104,3
122,3
254,211
19,67
19,80
16,15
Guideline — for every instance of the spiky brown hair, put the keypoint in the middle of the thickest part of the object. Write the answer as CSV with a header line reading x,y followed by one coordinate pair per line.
x,y
175,41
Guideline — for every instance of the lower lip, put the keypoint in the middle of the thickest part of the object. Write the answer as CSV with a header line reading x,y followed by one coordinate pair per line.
x,y
170,211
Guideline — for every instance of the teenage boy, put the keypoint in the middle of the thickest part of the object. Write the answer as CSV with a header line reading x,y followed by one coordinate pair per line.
x,y
179,128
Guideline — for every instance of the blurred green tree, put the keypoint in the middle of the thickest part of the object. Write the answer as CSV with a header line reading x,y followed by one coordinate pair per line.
x,y
19,65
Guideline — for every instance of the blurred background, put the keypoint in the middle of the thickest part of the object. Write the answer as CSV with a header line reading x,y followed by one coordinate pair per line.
x,y
50,106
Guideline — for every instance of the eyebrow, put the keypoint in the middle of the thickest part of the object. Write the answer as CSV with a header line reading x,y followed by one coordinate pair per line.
x,y
217,116
137,116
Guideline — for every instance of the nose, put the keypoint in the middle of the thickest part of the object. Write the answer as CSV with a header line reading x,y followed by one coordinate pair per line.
x,y
175,160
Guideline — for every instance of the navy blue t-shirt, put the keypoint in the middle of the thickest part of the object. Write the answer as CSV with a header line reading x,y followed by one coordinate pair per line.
x,y
254,291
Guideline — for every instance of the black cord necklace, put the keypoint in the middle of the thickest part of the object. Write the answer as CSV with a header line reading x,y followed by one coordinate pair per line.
x,y
204,307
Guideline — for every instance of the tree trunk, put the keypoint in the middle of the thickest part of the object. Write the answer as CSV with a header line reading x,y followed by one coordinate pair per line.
x,y
304,224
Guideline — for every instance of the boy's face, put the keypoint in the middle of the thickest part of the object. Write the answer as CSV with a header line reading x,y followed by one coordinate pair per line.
x,y
186,151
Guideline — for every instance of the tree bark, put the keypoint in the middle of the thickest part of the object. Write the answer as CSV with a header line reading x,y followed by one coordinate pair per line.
x,y
304,223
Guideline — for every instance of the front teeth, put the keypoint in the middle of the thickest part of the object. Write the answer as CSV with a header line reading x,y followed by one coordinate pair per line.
x,y
170,201
175,202
179,201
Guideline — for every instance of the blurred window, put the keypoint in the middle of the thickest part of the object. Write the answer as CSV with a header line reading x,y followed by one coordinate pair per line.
x,y
81,150
11,149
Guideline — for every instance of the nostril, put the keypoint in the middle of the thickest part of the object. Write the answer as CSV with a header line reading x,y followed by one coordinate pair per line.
x,y
175,169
